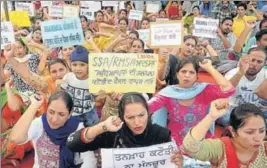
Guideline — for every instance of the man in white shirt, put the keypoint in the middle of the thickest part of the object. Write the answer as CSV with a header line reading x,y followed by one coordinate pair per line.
x,y
247,78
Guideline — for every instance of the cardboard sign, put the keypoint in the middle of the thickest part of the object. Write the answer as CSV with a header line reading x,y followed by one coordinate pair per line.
x,y
64,32
152,8
206,28
20,6
18,18
93,6
70,11
122,72
166,34
149,157
88,13
110,3
55,11
135,15
144,34
7,34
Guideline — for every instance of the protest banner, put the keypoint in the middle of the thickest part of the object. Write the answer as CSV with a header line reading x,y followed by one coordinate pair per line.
x,y
88,13
110,3
122,5
18,18
7,34
64,32
144,34
150,157
136,15
162,19
70,11
55,11
20,6
166,34
93,6
152,8
46,3
122,72
206,28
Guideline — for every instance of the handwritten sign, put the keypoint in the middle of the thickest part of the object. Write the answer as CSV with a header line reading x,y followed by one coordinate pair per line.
x,y
162,19
206,28
55,11
18,18
20,6
64,32
122,72
7,34
149,157
70,11
166,34
152,8
46,3
136,15
93,6
88,13
144,34
110,3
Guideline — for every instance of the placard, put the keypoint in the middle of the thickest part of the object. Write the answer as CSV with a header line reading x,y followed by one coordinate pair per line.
x,y
136,15
55,11
18,18
122,72
60,33
70,11
162,19
46,3
20,6
110,3
206,28
93,6
144,34
149,157
90,15
7,34
152,8
166,34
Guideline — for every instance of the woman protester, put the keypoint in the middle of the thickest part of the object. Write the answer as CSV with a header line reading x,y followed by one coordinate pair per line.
x,y
244,145
132,128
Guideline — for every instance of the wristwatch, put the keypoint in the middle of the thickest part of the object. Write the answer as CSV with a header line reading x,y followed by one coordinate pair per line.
x,y
104,127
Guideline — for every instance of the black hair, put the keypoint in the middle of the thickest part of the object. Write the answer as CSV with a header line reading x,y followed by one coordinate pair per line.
x,y
57,60
240,114
37,29
125,19
63,96
141,41
241,4
260,34
162,10
262,49
196,6
124,11
85,18
225,19
135,33
187,37
129,98
194,60
99,11
262,22
18,39
145,19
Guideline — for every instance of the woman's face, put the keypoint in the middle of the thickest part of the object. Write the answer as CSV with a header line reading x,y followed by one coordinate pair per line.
x,y
188,47
131,38
109,11
137,47
37,36
162,14
199,51
123,26
88,35
84,23
66,51
136,117
128,8
57,114
58,71
187,76
20,51
38,23
195,12
99,17
251,135
145,25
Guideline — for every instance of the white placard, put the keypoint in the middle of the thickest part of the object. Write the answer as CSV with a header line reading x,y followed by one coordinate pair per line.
x,y
93,6
205,28
9,6
26,7
152,8
122,5
136,15
55,11
110,3
144,34
166,34
46,3
7,34
149,157
162,19
88,13
70,11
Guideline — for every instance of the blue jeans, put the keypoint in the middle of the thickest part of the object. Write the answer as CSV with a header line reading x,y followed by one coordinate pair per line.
x,y
89,118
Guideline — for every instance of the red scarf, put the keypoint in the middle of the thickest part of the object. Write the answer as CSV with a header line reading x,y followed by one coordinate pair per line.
x,y
232,161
